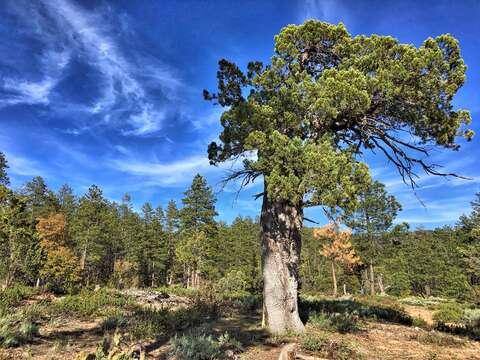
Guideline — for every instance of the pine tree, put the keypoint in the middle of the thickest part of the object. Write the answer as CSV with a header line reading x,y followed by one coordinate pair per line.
x,y
92,232
198,231
172,223
373,218
21,255
4,179
41,200
469,226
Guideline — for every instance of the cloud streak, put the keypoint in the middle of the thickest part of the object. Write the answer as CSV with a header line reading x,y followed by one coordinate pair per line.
x,y
69,32
178,172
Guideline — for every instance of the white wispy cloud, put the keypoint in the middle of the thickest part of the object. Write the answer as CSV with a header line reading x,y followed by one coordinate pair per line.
x,y
172,173
125,82
22,166
327,10
23,91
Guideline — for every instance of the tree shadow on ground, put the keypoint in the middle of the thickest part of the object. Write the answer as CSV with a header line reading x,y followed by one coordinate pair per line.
x,y
366,311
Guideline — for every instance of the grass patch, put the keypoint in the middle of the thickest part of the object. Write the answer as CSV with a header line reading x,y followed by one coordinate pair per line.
x,y
341,322
202,347
433,338
328,347
12,297
91,303
15,332
363,310
449,313
424,301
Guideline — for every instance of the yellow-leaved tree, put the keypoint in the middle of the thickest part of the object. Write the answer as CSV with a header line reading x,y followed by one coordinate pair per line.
x,y
60,271
337,248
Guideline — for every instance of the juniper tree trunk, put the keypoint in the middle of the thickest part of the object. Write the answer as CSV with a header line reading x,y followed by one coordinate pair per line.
x,y
282,225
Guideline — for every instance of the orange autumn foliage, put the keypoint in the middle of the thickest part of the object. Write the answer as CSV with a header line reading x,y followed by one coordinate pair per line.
x,y
60,270
338,246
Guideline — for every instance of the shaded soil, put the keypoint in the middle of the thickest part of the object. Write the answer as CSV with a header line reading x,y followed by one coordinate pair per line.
x,y
64,338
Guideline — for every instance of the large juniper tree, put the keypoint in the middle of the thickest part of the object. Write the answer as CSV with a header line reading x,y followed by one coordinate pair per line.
x,y
324,98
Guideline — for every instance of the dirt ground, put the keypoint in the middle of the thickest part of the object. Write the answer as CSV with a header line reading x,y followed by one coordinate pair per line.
x,y
65,338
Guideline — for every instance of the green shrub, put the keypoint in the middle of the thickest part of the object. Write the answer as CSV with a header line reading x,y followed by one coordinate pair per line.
x,y
195,347
313,343
90,303
420,322
246,303
392,313
434,338
346,322
114,322
226,341
448,313
472,317
11,297
329,347
421,301
178,290
341,322
320,320
14,332
235,282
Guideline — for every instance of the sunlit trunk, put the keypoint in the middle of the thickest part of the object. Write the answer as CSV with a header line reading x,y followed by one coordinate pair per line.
x,y
380,284
372,279
281,243
334,279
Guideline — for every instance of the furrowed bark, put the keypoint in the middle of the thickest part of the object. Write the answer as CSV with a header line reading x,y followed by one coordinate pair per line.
x,y
282,224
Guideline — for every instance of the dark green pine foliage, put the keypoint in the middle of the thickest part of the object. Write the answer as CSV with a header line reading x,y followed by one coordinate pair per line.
x,y
41,200
199,229
198,212
370,221
68,204
469,227
154,246
4,179
93,228
172,223
20,252
239,245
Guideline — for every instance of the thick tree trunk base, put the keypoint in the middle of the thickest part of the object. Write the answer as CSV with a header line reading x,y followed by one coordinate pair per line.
x,y
281,244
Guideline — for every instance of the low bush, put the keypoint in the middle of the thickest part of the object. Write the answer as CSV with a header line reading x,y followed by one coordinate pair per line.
x,y
11,297
331,348
178,290
471,317
195,347
341,322
91,303
364,310
448,313
434,338
420,322
422,301
15,332
113,323
313,343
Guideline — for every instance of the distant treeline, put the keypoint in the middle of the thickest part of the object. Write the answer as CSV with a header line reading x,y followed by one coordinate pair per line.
x,y
63,242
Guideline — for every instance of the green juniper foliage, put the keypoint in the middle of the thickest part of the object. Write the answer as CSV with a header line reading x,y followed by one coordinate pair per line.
x,y
302,122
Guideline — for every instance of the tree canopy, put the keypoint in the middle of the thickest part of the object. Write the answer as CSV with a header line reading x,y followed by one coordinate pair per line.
x,y
325,97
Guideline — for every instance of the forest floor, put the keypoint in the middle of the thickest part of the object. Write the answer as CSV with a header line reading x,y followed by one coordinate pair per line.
x,y
69,327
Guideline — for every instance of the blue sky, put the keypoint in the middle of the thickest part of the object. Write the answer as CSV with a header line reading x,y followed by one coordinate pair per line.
x,y
109,93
